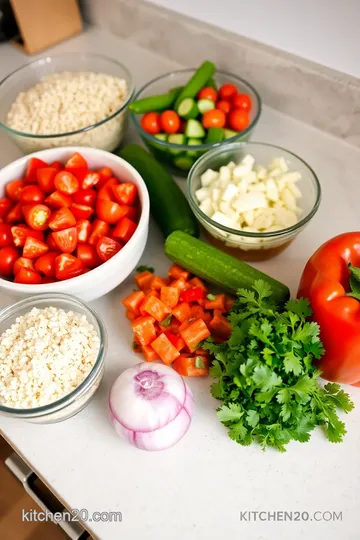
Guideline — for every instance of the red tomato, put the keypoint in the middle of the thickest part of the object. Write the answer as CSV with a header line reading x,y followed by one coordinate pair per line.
x,y
105,174
170,121
8,256
59,200
242,101
51,242
108,211
5,206
223,105
56,165
125,193
150,123
15,215
214,118
22,262
81,211
27,277
87,255
85,196
227,91
124,229
31,171
33,248
83,228
66,239
6,238
21,232
31,194
208,93
45,264
37,216
76,162
90,179
45,279
45,178
238,119
182,126
100,228
13,189
66,182
62,219
67,266
107,247
106,191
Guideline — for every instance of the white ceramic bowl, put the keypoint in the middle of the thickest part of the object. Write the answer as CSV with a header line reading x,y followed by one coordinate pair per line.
x,y
110,274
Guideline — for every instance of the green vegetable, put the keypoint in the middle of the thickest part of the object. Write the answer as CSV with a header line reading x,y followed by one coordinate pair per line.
x,y
188,108
161,136
354,282
184,162
214,135
205,105
211,297
169,206
155,103
196,83
199,362
211,83
266,376
218,267
194,153
166,321
194,129
176,138
144,268
228,133
135,346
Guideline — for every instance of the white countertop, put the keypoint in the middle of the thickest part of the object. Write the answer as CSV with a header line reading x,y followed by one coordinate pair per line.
x,y
196,490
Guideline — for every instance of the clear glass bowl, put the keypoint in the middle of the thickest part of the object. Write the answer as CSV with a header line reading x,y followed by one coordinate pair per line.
x,y
179,158
248,245
78,399
106,134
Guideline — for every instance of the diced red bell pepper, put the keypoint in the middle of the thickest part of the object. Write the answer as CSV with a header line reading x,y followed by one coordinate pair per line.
x,y
217,303
185,365
156,308
196,332
165,349
170,296
176,272
192,295
182,312
144,329
133,301
177,341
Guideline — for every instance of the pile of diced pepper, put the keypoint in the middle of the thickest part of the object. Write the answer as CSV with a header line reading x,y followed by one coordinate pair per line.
x,y
171,316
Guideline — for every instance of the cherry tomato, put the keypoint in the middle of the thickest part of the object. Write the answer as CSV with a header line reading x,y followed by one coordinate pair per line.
x,y
105,174
13,189
33,248
85,196
45,264
223,105
150,123
242,101
56,165
182,126
58,200
83,228
21,232
8,256
15,215
107,247
88,255
238,119
125,193
208,93
90,179
108,211
81,211
31,194
106,191
31,171
75,163
124,229
46,279
6,238
62,219
170,121
5,206
66,239
51,242
227,91
45,178
67,266
22,262
214,118
27,277
66,182
100,228
37,216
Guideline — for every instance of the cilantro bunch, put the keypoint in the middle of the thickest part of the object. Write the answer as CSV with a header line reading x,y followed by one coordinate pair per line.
x,y
266,376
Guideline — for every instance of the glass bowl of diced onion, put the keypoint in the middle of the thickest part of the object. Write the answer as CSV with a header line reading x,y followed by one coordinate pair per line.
x,y
253,199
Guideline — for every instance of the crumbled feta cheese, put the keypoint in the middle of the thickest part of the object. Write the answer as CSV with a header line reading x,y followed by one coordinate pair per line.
x,y
208,176
202,194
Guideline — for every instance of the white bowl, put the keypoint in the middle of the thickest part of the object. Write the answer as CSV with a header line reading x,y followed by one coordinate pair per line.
x,y
110,274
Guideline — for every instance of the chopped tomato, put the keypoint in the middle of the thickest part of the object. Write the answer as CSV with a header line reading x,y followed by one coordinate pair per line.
x,y
90,179
45,178
176,272
133,301
33,248
218,302
31,194
192,295
56,165
15,215
220,325
170,296
156,308
67,266
45,264
105,174
107,247
182,312
198,312
157,282
76,162
8,256
108,211
81,211
13,189
59,200
149,353
106,191
37,216
21,232
144,329
125,229
165,349
143,279
229,302
62,219
28,277
196,332
51,242
31,171
66,239
125,193
66,182
185,365
83,228
85,196
6,238
99,229
22,262
5,206
46,279
87,255
177,341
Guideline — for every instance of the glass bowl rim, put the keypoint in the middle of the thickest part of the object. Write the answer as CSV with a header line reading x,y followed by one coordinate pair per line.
x,y
199,147
237,145
47,60
69,398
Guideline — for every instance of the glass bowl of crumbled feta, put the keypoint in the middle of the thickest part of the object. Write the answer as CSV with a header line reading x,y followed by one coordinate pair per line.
x,y
52,351
65,100
252,199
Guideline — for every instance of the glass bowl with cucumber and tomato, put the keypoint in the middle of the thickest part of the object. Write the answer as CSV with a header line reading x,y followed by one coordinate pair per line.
x,y
183,114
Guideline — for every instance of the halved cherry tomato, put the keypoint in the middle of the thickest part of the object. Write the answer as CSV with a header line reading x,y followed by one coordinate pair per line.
x,y
107,248
66,239
108,211
13,189
124,229
242,101
214,118
56,165
66,182
37,216
125,193
170,121
150,123
15,215
62,219
51,242
5,206
238,119
22,262
45,178
88,255
83,228
8,256
81,211
33,248
90,179
46,279
21,232
106,192
31,194
6,238
67,266
45,264
76,162
105,174
227,91
31,171
85,196
208,93
28,277
223,105
59,200
100,228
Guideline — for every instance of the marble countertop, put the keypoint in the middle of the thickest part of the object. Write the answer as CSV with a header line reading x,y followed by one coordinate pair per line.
x,y
198,489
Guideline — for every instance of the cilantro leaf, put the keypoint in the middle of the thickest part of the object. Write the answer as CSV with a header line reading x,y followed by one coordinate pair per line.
x,y
144,268
230,413
265,379
292,363
252,418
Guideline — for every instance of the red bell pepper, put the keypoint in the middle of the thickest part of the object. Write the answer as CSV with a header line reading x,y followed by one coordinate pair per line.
x,y
331,281
192,295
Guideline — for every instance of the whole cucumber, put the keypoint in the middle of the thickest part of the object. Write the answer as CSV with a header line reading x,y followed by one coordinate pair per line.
x,y
168,204
155,103
196,83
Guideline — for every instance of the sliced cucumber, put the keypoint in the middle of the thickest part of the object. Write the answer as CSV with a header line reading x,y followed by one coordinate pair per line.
x,y
197,82
194,142
194,129
161,136
188,108
184,162
176,138
205,105
228,133
215,135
